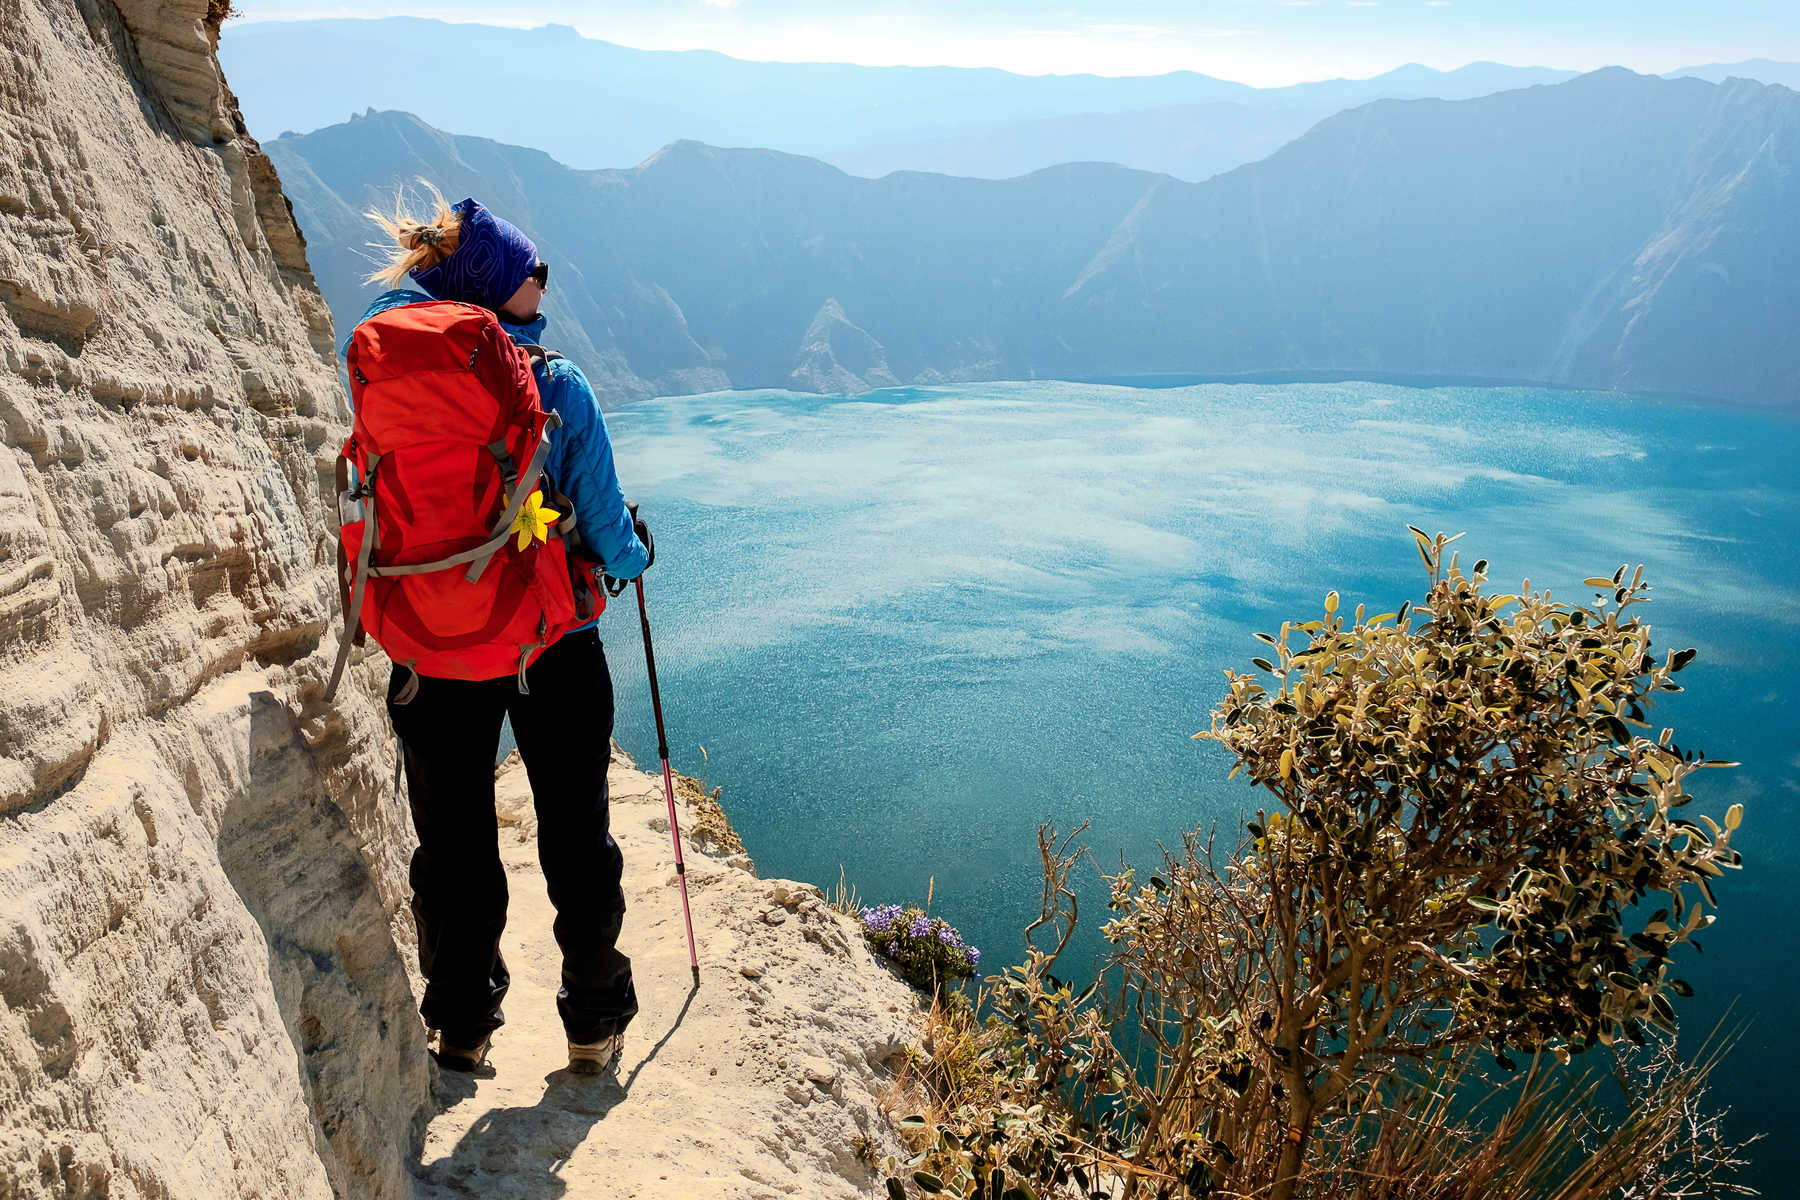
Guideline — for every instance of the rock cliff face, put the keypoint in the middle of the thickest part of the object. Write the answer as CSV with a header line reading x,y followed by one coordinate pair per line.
x,y
201,991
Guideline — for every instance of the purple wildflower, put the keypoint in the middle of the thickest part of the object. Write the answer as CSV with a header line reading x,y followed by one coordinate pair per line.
x,y
921,926
974,956
881,919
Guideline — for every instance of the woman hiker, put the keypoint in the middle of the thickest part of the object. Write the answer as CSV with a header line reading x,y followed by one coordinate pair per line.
x,y
560,708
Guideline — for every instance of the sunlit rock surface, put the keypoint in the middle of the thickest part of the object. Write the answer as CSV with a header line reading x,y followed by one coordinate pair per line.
x,y
201,992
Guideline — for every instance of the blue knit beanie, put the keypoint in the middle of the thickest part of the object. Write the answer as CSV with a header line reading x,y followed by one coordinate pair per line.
x,y
491,261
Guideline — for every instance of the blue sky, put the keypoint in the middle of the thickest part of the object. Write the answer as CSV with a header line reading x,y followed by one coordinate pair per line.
x,y
1263,42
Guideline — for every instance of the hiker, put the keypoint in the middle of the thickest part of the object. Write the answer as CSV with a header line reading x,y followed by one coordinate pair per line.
x,y
559,703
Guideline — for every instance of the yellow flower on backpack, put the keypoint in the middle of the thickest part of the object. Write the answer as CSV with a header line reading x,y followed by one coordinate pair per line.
x,y
534,520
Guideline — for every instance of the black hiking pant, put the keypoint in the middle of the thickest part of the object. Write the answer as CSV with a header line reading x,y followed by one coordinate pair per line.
x,y
450,731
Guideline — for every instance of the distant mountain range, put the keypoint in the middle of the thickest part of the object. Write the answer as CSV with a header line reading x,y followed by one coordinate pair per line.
x,y
1197,141
591,103
1189,141
594,104
1762,70
1613,231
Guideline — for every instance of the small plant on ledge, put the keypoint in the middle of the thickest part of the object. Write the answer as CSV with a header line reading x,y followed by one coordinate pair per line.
x,y
927,951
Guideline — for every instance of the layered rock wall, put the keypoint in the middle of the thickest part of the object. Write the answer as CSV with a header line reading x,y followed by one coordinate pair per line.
x,y
202,980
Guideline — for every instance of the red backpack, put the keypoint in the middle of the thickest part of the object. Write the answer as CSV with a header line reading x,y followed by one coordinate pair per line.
x,y
447,453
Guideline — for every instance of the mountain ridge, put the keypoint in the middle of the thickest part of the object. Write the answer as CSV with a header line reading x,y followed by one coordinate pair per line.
x,y
1565,234
1762,70
870,117
976,121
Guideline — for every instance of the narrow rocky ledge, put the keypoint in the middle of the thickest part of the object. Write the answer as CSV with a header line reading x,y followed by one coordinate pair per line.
x,y
766,1082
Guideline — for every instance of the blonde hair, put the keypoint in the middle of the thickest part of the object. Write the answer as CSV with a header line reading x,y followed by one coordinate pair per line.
x,y
417,245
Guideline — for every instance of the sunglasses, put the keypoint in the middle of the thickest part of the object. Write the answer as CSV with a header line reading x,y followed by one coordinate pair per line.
x,y
541,273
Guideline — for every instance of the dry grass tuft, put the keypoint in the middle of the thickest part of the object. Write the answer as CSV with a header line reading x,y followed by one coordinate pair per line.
x,y
950,1068
844,897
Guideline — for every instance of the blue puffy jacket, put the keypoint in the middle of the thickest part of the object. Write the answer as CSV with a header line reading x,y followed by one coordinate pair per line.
x,y
580,462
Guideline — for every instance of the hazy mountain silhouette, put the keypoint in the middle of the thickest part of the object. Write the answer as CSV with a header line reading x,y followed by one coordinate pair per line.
x,y
595,104
1614,231
1188,141
1760,69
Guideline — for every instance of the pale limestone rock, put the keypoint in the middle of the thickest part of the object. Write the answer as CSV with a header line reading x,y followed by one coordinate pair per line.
x,y
201,868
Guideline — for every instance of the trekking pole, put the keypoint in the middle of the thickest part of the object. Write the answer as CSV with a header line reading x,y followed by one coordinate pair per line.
x,y
662,749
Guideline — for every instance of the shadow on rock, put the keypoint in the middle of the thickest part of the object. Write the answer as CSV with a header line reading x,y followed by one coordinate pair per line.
x,y
517,1152
454,1087
337,977
660,1042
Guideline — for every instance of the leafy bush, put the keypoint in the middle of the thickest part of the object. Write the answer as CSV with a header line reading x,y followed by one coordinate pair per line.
x,y
1466,826
926,950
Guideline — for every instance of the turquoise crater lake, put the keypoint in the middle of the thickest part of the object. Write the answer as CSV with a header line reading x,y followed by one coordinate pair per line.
x,y
908,627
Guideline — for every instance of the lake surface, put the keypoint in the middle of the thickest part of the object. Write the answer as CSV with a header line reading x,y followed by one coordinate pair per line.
x,y
910,626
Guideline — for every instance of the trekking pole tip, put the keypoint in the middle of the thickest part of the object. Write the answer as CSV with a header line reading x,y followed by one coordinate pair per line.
x,y
696,978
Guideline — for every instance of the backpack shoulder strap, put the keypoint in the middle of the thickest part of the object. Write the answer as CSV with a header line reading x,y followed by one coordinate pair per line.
x,y
538,354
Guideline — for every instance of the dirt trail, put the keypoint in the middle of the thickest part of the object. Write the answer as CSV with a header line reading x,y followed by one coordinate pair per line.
x,y
760,1084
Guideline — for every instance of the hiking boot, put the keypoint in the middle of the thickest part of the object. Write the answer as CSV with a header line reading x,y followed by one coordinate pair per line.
x,y
595,1058
459,1058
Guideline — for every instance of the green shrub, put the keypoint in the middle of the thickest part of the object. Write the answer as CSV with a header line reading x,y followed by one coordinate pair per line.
x,y
927,951
1468,827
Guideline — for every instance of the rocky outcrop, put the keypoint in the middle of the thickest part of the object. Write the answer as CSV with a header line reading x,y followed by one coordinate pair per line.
x,y
838,355
202,991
